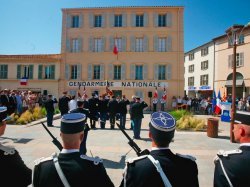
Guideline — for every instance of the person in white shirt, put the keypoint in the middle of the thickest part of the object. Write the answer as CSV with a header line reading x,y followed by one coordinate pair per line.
x,y
72,103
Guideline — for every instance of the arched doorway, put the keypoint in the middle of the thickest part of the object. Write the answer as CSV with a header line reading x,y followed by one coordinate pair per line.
x,y
239,84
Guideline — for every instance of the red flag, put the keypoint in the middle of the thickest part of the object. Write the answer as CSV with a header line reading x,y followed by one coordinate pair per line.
x,y
84,92
156,93
23,82
115,50
108,91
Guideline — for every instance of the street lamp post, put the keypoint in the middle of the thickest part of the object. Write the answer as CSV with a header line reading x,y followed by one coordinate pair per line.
x,y
233,34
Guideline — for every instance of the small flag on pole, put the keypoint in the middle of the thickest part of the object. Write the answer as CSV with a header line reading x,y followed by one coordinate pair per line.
x,y
115,50
23,81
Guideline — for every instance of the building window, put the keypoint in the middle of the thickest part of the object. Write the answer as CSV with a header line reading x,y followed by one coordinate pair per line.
x,y
190,81
204,65
161,72
98,21
97,72
191,68
25,71
75,22
118,43
97,45
162,44
117,72
118,20
49,72
204,80
239,60
191,56
73,70
162,20
138,72
139,44
241,39
139,21
204,51
75,45
3,71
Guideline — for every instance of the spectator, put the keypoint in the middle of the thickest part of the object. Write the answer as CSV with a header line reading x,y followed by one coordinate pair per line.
x,y
72,103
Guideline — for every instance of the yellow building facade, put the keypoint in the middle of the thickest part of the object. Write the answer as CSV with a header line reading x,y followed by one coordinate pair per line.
x,y
41,71
149,41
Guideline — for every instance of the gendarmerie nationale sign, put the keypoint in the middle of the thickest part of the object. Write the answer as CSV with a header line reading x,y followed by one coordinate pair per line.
x,y
126,84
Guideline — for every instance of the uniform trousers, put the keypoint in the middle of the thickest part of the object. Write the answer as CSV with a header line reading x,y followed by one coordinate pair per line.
x,y
50,118
137,127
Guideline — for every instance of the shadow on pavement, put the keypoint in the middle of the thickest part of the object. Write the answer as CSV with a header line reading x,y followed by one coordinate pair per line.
x,y
224,137
114,165
18,140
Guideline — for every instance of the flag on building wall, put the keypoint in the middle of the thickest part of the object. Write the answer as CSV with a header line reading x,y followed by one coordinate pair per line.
x,y
23,81
214,101
164,95
218,105
156,93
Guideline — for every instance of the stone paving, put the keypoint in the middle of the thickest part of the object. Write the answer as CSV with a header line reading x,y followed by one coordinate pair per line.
x,y
33,142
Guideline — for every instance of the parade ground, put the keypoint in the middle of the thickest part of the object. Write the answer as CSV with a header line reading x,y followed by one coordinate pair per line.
x,y
32,142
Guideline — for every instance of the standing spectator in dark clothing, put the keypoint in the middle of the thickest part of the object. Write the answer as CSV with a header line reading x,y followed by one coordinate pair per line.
x,y
80,109
130,105
93,109
13,170
64,104
12,103
49,106
137,115
112,109
123,110
4,98
103,109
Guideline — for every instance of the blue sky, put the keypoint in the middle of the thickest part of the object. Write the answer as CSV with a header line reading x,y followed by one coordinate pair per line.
x,y
34,26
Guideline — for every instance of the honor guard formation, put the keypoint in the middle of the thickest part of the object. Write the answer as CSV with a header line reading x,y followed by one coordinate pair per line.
x,y
158,167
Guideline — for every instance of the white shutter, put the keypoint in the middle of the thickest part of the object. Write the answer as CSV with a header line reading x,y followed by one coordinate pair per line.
x,y
110,71
145,71
68,21
169,19
111,43
169,72
145,43
169,43
145,20
79,44
132,43
156,19
124,20
124,43
79,72
66,71
80,20
68,45
156,71
91,20
132,20
102,72
91,49
156,43
123,71
111,20
132,71
103,20
230,60
103,48
241,60
89,71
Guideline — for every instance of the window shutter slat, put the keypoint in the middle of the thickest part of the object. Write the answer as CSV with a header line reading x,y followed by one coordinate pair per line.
x,y
67,45
91,44
145,71
124,43
102,72
40,71
111,43
80,41
111,19
18,76
79,72
169,72
124,20
53,70
103,20
169,43
156,71
68,20
67,71
89,72
169,19
145,20
241,59
111,71
145,43
156,43
155,19
103,44
133,20
31,71
91,20
132,71
123,70
132,43
80,21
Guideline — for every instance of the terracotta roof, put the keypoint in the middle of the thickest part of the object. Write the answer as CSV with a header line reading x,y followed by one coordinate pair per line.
x,y
45,56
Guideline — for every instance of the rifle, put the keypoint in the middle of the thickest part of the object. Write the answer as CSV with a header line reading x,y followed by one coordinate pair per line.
x,y
136,148
55,141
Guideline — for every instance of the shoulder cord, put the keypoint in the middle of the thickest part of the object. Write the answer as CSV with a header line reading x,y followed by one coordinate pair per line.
x,y
59,171
224,171
156,163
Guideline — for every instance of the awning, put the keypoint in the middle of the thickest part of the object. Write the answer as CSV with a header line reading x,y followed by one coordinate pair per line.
x,y
238,82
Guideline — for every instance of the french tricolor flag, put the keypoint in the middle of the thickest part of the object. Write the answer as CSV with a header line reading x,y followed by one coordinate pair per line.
x,y
23,81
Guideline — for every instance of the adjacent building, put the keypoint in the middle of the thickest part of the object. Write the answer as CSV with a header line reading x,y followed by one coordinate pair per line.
x,y
199,71
149,41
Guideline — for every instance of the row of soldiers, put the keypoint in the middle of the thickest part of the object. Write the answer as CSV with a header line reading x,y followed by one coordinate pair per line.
x,y
160,168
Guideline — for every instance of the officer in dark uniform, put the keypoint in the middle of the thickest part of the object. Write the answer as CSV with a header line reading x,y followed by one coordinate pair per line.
x,y
12,168
112,110
49,106
70,168
161,167
93,109
64,104
80,109
232,168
